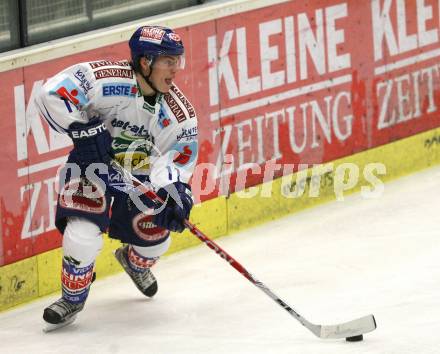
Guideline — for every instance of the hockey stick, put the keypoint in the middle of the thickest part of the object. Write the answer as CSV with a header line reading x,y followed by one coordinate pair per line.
x,y
349,329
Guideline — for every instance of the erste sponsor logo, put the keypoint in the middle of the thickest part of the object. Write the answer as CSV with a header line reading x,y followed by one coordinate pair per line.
x,y
126,90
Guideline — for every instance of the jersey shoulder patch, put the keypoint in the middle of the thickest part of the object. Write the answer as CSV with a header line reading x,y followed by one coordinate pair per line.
x,y
179,105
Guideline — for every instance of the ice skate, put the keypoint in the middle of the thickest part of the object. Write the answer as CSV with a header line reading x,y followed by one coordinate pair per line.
x,y
64,312
60,314
143,279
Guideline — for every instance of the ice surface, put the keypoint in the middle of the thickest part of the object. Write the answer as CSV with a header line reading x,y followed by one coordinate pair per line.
x,y
333,263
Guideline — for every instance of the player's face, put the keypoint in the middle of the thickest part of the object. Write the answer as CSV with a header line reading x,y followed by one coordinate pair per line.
x,y
164,71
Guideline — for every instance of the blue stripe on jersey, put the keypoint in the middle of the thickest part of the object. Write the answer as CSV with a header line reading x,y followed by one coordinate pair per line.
x,y
170,173
52,122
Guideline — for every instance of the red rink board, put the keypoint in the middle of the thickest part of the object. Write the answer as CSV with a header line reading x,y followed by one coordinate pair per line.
x,y
299,82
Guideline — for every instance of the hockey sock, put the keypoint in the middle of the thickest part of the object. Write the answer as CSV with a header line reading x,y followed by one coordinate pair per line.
x,y
139,263
75,281
82,242
141,258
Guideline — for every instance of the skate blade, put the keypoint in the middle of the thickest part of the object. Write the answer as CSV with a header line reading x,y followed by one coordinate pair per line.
x,y
53,327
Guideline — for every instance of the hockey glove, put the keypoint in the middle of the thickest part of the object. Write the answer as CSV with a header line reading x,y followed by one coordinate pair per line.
x,y
92,142
179,202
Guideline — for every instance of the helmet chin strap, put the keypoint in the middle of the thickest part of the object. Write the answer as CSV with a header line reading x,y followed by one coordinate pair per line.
x,y
147,78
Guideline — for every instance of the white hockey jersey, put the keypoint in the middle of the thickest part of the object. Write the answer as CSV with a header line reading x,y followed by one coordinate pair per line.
x,y
159,141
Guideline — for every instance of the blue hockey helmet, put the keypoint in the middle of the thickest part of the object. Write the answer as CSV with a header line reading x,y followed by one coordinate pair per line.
x,y
154,41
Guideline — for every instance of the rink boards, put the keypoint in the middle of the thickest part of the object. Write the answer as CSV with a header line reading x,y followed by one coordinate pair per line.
x,y
38,275
357,92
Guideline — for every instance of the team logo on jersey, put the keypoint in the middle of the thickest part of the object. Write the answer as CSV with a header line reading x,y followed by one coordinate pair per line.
x,y
146,229
152,34
80,134
119,90
174,36
69,92
184,153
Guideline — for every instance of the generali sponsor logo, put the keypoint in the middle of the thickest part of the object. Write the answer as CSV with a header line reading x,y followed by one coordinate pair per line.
x,y
113,72
184,100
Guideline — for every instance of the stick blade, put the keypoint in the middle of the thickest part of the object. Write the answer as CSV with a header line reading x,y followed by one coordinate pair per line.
x,y
349,329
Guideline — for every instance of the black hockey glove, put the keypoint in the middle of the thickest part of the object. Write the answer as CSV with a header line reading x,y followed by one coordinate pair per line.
x,y
171,217
92,142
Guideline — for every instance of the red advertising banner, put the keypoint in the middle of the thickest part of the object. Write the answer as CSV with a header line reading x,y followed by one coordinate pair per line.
x,y
294,83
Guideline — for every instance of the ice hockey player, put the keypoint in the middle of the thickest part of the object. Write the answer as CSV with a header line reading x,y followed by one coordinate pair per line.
x,y
131,112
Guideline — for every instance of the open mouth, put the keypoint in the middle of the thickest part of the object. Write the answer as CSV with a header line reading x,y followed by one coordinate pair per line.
x,y
169,81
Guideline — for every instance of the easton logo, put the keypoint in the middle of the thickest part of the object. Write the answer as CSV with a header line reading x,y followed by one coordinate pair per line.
x,y
79,134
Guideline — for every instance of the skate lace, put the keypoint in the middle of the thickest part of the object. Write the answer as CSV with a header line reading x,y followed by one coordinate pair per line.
x,y
65,308
142,279
145,278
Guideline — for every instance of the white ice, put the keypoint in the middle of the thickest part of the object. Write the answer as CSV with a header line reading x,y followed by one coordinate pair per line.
x,y
332,263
